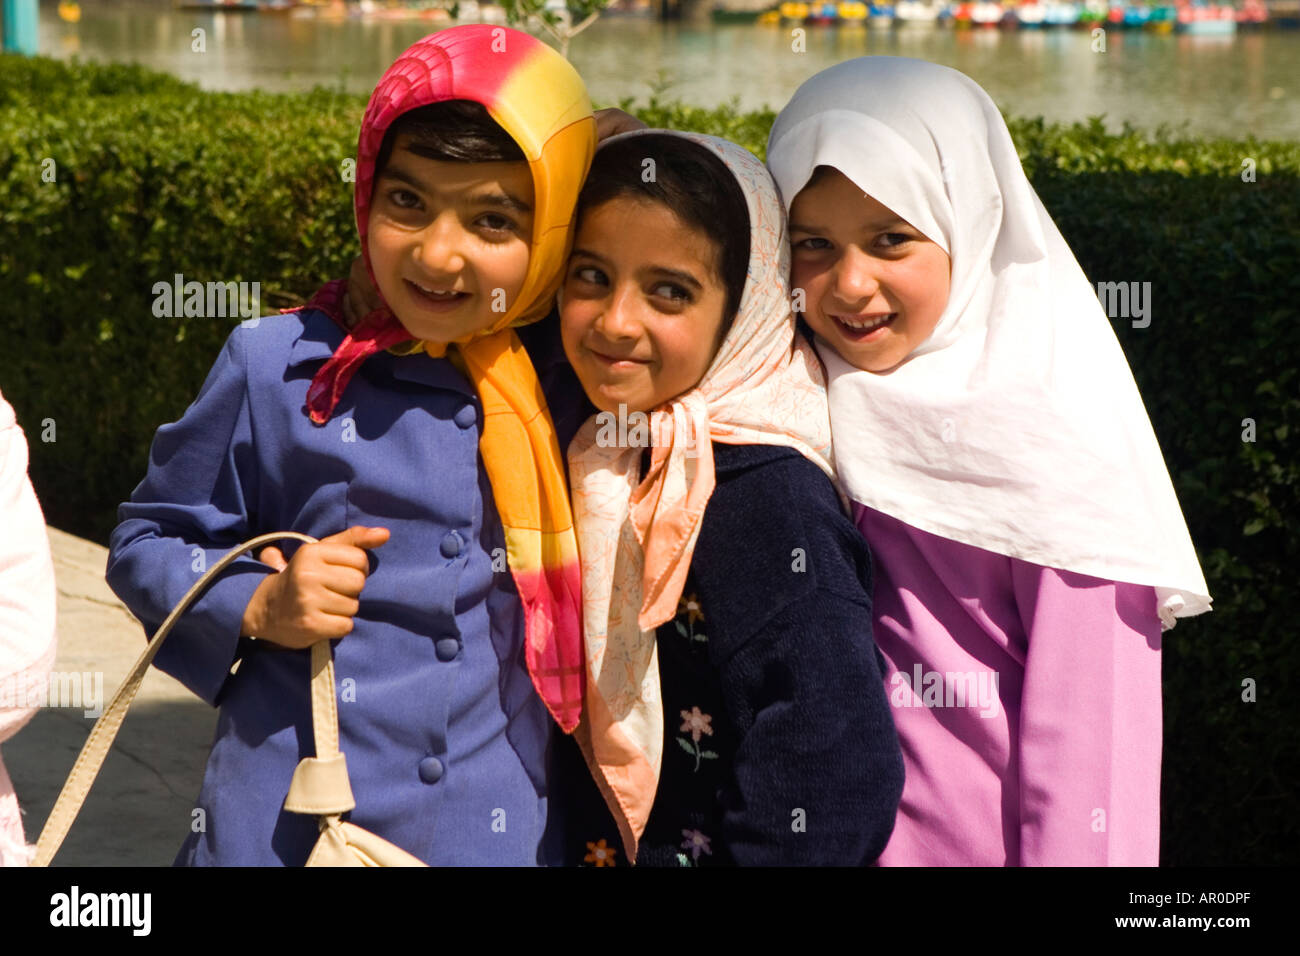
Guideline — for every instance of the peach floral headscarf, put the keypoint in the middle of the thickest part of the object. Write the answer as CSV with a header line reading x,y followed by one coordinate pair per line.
x,y
764,386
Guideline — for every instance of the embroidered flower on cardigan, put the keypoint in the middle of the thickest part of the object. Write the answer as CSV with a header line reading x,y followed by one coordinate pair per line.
x,y
696,843
689,605
696,723
600,854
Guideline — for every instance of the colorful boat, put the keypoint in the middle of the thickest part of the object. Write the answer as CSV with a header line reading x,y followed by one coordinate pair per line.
x,y
1093,12
851,13
1058,14
1252,15
916,13
1207,20
880,16
821,13
1163,18
1136,16
986,14
1027,16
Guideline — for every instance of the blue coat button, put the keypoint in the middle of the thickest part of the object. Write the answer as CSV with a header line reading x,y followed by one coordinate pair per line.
x,y
450,546
430,769
447,648
467,417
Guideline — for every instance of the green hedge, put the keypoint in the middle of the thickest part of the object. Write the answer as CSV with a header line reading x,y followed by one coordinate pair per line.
x,y
154,177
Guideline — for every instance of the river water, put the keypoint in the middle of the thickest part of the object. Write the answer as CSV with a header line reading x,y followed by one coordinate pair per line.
x,y
1236,86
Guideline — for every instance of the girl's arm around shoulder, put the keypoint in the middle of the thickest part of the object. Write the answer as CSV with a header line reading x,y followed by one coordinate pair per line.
x,y
785,582
192,507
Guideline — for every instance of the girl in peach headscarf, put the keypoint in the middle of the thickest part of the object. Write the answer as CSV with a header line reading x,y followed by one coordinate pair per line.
x,y
734,710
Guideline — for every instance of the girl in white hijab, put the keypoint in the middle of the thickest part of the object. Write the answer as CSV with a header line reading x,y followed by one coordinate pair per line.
x,y
1029,546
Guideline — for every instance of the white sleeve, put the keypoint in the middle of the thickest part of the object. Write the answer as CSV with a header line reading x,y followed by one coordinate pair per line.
x,y
27,592
27,608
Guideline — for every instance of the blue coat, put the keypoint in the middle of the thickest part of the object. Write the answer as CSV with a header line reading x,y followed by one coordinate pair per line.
x,y
447,744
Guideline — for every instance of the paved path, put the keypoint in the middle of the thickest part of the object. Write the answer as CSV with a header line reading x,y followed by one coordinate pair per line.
x,y
140,808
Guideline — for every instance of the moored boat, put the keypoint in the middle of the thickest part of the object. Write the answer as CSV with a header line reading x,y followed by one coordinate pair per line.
x,y
916,13
1028,16
880,16
851,13
1162,20
1092,13
1252,14
1206,20
1060,14
793,11
821,13
1136,16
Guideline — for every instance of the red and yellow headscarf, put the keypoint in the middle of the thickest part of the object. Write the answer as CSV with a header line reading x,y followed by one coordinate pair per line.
x,y
540,101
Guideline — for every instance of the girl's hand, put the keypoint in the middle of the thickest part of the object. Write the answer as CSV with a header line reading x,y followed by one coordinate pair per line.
x,y
314,596
362,297
612,121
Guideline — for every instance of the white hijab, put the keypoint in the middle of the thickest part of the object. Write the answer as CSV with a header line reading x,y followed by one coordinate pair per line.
x,y
1017,426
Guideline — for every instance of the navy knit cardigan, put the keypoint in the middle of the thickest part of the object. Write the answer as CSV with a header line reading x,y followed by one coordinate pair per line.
x,y
808,768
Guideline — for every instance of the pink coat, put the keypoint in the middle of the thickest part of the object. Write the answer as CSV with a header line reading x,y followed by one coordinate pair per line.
x,y
1027,702
27,608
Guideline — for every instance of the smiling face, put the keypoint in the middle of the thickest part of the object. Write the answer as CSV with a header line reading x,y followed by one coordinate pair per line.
x,y
642,310
449,241
875,287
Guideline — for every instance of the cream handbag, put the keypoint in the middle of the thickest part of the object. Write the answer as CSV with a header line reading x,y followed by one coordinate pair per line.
x,y
320,784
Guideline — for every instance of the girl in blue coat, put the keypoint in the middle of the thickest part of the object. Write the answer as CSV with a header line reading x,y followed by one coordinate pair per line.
x,y
418,445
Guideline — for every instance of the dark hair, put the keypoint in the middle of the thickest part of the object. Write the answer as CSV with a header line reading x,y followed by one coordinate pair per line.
x,y
457,131
690,181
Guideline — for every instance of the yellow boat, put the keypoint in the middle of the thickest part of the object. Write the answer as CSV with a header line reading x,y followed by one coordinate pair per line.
x,y
769,18
851,11
794,10
69,12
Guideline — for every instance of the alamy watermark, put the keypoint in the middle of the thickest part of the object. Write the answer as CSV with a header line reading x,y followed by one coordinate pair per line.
x,y
74,908
209,300
624,429
932,689
62,689
1126,300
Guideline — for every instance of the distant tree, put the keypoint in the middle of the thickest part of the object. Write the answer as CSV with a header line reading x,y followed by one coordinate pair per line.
x,y
562,19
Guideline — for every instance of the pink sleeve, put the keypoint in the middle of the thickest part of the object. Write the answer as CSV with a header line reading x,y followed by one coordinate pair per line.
x,y
1090,721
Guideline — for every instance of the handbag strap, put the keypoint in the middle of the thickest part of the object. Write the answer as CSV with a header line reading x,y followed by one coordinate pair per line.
x,y
102,735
